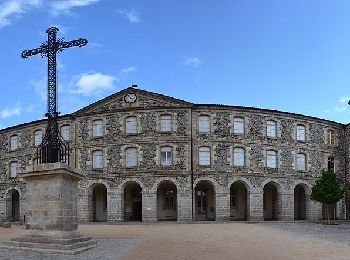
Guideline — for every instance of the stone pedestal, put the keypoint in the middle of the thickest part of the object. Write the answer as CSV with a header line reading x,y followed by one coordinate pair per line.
x,y
51,219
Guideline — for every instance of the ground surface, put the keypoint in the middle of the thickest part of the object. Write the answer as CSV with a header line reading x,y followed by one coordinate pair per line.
x,y
268,240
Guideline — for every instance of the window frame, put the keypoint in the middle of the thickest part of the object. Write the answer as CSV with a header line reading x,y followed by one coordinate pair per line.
x,y
206,150
268,158
268,125
94,166
304,169
127,158
235,122
234,157
330,137
202,129
13,147
129,123
35,137
166,162
65,126
298,127
165,123
331,162
11,168
95,134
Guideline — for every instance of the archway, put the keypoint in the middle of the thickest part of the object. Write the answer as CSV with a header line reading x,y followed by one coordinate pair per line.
x,y
271,202
238,201
167,201
132,202
12,205
99,203
205,201
299,203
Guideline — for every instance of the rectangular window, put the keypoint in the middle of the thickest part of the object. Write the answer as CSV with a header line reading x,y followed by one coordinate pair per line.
x,y
131,125
204,156
38,137
166,156
330,137
13,142
301,162
204,124
238,157
65,132
97,128
131,157
271,129
165,123
238,125
300,133
271,159
13,169
331,164
97,159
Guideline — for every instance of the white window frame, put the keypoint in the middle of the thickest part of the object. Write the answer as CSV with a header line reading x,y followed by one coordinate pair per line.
x,y
97,128
330,137
38,137
166,155
97,159
165,122
204,124
238,125
204,156
13,169
301,133
271,159
301,162
131,125
271,129
239,156
13,142
131,157
65,132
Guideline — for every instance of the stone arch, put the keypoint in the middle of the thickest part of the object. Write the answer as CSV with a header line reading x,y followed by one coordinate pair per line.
x,y
239,200
132,200
272,200
13,205
300,208
167,200
211,180
205,200
98,202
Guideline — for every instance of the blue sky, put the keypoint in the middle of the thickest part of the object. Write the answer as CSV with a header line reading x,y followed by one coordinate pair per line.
x,y
287,55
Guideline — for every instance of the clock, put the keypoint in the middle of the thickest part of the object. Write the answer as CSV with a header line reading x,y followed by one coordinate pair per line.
x,y
130,98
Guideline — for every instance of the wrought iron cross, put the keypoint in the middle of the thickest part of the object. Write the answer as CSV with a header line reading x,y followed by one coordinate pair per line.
x,y
53,148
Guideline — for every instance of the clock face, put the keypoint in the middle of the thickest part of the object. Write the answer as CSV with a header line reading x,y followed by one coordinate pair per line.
x,y
130,98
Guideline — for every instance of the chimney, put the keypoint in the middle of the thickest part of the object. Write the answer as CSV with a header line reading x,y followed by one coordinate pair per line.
x,y
134,86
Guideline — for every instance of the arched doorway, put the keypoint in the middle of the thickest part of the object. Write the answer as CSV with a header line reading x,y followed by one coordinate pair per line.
x,y
99,203
205,201
167,201
13,212
132,202
271,202
299,203
238,201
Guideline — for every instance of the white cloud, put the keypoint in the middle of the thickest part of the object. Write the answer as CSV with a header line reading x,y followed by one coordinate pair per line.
x,y
93,83
40,87
344,99
132,15
340,107
65,6
11,9
192,61
128,69
10,112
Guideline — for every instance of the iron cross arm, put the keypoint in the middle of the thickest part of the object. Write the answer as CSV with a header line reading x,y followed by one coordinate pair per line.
x,y
79,43
27,53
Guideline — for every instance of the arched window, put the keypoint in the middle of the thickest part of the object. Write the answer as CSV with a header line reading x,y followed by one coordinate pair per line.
x,y
301,162
238,157
13,169
97,128
300,133
204,155
97,159
204,124
330,137
271,159
131,125
238,125
65,132
13,142
165,123
38,137
131,157
271,127
166,156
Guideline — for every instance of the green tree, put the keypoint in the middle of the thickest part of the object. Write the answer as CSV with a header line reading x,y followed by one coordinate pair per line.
x,y
328,190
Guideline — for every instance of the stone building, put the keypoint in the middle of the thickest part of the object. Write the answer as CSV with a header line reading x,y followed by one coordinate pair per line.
x,y
149,157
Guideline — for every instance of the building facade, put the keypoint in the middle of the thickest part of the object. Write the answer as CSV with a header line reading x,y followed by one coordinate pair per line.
x,y
149,157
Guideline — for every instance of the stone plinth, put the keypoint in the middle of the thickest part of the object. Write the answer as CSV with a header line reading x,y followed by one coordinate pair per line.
x,y
51,219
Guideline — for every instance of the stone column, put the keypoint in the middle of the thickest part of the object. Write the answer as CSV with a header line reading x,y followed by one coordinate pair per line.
x,y
287,204
149,206
256,206
51,219
222,206
184,205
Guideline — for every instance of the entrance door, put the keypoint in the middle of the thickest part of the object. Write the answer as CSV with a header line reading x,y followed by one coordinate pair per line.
x,y
15,206
137,211
202,205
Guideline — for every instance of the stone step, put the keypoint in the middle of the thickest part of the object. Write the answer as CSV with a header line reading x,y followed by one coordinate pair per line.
x,y
52,246
45,240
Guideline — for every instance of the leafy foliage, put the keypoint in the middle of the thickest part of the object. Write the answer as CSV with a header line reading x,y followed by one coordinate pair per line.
x,y
327,189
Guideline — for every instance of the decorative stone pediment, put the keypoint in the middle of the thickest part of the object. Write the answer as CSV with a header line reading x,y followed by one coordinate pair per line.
x,y
132,98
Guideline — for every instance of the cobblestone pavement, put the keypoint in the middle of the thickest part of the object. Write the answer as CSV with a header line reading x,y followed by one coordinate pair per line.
x,y
268,240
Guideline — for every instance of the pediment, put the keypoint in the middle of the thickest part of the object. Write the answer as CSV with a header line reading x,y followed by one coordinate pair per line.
x,y
132,98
